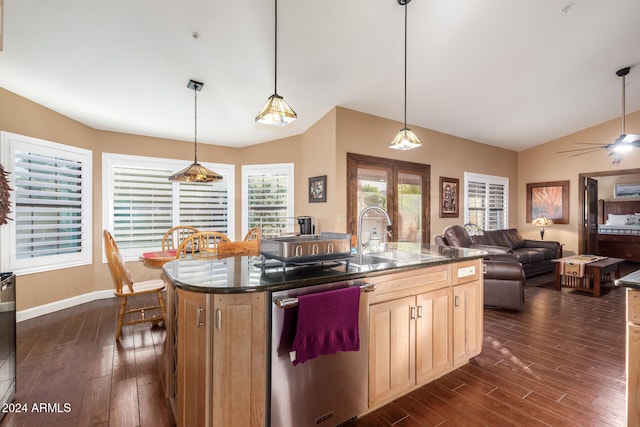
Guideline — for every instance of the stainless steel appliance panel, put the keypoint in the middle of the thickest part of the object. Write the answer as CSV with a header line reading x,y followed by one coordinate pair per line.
x,y
326,391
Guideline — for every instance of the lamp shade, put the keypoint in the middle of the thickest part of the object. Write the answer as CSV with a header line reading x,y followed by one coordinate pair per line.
x,y
276,112
542,222
405,140
195,173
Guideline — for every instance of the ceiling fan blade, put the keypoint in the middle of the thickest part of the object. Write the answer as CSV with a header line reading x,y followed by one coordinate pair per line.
x,y
583,149
584,152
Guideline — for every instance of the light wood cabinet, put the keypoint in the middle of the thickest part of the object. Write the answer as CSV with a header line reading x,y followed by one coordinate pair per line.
x,y
423,324
192,358
633,355
220,359
467,322
391,348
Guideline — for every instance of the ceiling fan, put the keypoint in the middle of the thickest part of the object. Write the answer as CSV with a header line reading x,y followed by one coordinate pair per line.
x,y
623,143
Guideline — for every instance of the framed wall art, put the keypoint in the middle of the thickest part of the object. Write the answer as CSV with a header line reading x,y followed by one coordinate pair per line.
x,y
449,197
626,191
318,189
549,200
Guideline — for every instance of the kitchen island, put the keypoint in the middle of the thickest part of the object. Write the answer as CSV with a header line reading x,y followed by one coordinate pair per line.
x,y
632,283
422,320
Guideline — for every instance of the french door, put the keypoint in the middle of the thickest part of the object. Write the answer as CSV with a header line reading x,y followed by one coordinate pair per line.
x,y
400,188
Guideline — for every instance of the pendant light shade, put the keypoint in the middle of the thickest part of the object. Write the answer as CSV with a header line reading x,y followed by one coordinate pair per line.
x,y
195,172
405,139
276,111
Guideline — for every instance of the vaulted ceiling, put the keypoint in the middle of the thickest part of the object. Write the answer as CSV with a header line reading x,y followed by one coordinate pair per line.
x,y
512,74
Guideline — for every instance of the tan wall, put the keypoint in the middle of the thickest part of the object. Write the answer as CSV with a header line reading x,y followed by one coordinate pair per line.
x,y
321,150
543,163
448,156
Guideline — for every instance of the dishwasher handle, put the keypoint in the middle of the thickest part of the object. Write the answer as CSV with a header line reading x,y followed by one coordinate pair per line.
x,y
292,302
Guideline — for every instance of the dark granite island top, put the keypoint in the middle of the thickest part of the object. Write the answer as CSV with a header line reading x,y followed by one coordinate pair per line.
x,y
254,274
631,280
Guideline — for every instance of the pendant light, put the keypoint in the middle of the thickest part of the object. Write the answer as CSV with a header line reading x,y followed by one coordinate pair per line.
x,y
276,111
405,139
195,172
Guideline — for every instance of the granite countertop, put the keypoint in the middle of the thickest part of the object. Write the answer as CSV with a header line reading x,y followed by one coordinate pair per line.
x,y
631,280
255,274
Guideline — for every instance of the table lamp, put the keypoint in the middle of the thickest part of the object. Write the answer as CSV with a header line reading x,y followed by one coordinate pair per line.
x,y
542,222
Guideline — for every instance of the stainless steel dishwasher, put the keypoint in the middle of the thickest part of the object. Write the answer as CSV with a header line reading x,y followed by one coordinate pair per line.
x,y
328,390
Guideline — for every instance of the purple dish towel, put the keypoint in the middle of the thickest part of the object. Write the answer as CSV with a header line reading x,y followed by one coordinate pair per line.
x,y
327,323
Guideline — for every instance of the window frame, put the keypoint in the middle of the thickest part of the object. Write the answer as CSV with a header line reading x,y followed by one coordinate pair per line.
x,y
111,160
11,144
486,179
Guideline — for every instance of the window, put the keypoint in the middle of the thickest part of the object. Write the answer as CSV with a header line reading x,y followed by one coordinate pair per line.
x,y
400,188
140,203
51,205
268,201
486,201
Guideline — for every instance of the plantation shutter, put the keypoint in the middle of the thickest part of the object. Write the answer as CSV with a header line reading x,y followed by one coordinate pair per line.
x,y
486,201
142,206
205,206
49,200
269,201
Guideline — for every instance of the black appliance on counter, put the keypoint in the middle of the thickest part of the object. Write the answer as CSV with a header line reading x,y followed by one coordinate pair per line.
x,y
306,225
7,338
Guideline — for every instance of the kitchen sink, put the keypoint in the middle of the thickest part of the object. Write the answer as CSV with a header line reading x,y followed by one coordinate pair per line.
x,y
390,257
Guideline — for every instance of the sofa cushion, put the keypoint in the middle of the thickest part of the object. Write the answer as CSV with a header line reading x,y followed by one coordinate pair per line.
x,y
528,255
515,237
456,235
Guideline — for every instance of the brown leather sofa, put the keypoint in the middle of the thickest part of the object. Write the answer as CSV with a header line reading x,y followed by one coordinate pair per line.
x,y
503,285
534,255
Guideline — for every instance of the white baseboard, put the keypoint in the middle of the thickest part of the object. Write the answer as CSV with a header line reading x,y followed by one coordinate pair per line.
x,y
41,310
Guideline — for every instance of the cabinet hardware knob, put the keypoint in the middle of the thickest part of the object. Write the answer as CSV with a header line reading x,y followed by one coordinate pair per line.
x,y
419,312
457,301
413,313
218,319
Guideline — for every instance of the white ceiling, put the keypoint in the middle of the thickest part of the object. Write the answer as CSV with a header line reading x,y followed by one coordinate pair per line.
x,y
510,73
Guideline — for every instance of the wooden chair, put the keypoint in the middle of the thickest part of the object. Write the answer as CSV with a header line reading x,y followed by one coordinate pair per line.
x,y
250,245
201,245
253,234
125,288
174,236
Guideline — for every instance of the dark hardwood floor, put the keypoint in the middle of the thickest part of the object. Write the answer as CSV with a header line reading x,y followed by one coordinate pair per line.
x,y
560,362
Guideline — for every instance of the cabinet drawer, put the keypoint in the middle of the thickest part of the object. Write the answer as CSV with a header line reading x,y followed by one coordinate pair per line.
x,y
633,306
467,271
398,285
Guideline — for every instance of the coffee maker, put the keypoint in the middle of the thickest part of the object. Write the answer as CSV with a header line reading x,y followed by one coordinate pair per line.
x,y
306,225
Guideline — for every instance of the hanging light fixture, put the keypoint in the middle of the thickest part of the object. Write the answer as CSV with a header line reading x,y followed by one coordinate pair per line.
x,y
195,172
276,111
405,139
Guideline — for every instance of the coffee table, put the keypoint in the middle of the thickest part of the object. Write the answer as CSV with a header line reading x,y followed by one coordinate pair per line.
x,y
595,273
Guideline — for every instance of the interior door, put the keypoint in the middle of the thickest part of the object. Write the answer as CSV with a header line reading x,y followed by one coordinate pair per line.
x,y
590,223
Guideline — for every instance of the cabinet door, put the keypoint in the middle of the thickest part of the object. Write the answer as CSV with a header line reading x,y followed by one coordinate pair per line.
x,y
391,348
239,360
192,359
433,332
467,321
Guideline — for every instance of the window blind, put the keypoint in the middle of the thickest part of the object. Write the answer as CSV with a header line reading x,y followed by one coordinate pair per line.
x,y
48,205
486,201
269,198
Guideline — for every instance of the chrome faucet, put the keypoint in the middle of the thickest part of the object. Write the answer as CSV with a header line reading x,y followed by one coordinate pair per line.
x,y
360,218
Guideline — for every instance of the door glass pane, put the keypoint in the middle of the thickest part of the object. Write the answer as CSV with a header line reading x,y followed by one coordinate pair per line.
x,y
372,191
409,208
